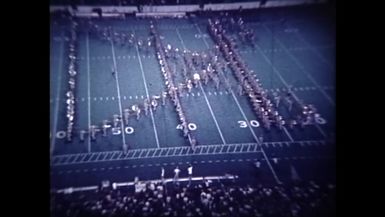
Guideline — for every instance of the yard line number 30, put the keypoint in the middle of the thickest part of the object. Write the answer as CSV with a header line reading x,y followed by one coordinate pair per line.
x,y
254,123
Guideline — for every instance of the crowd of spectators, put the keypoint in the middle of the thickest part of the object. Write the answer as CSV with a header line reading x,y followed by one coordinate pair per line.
x,y
201,199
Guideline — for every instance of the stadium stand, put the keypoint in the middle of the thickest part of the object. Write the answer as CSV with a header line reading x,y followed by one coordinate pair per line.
x,y
204,199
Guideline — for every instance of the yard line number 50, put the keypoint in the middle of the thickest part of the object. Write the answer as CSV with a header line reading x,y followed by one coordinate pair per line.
x,y
115,131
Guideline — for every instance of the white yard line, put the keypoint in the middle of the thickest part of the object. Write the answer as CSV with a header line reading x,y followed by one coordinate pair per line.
x,y
251,130
60,70
288,134
286,85
315,50
118,89
148,96
204,40
212,114
303,69
88,92
204,94
255,137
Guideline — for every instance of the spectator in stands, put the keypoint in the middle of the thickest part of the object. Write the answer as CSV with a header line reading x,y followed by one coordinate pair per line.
x,y
299,199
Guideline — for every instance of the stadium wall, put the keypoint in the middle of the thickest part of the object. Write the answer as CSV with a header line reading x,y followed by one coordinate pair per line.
x,y
146,10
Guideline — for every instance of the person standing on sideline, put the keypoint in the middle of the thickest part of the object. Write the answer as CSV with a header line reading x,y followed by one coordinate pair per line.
x,y
189,170
275,160
176,171
258,164
113,72
162,175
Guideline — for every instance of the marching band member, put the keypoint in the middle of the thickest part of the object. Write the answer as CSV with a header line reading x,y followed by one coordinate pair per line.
x,y
136,110
105,126
126,115
146,105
